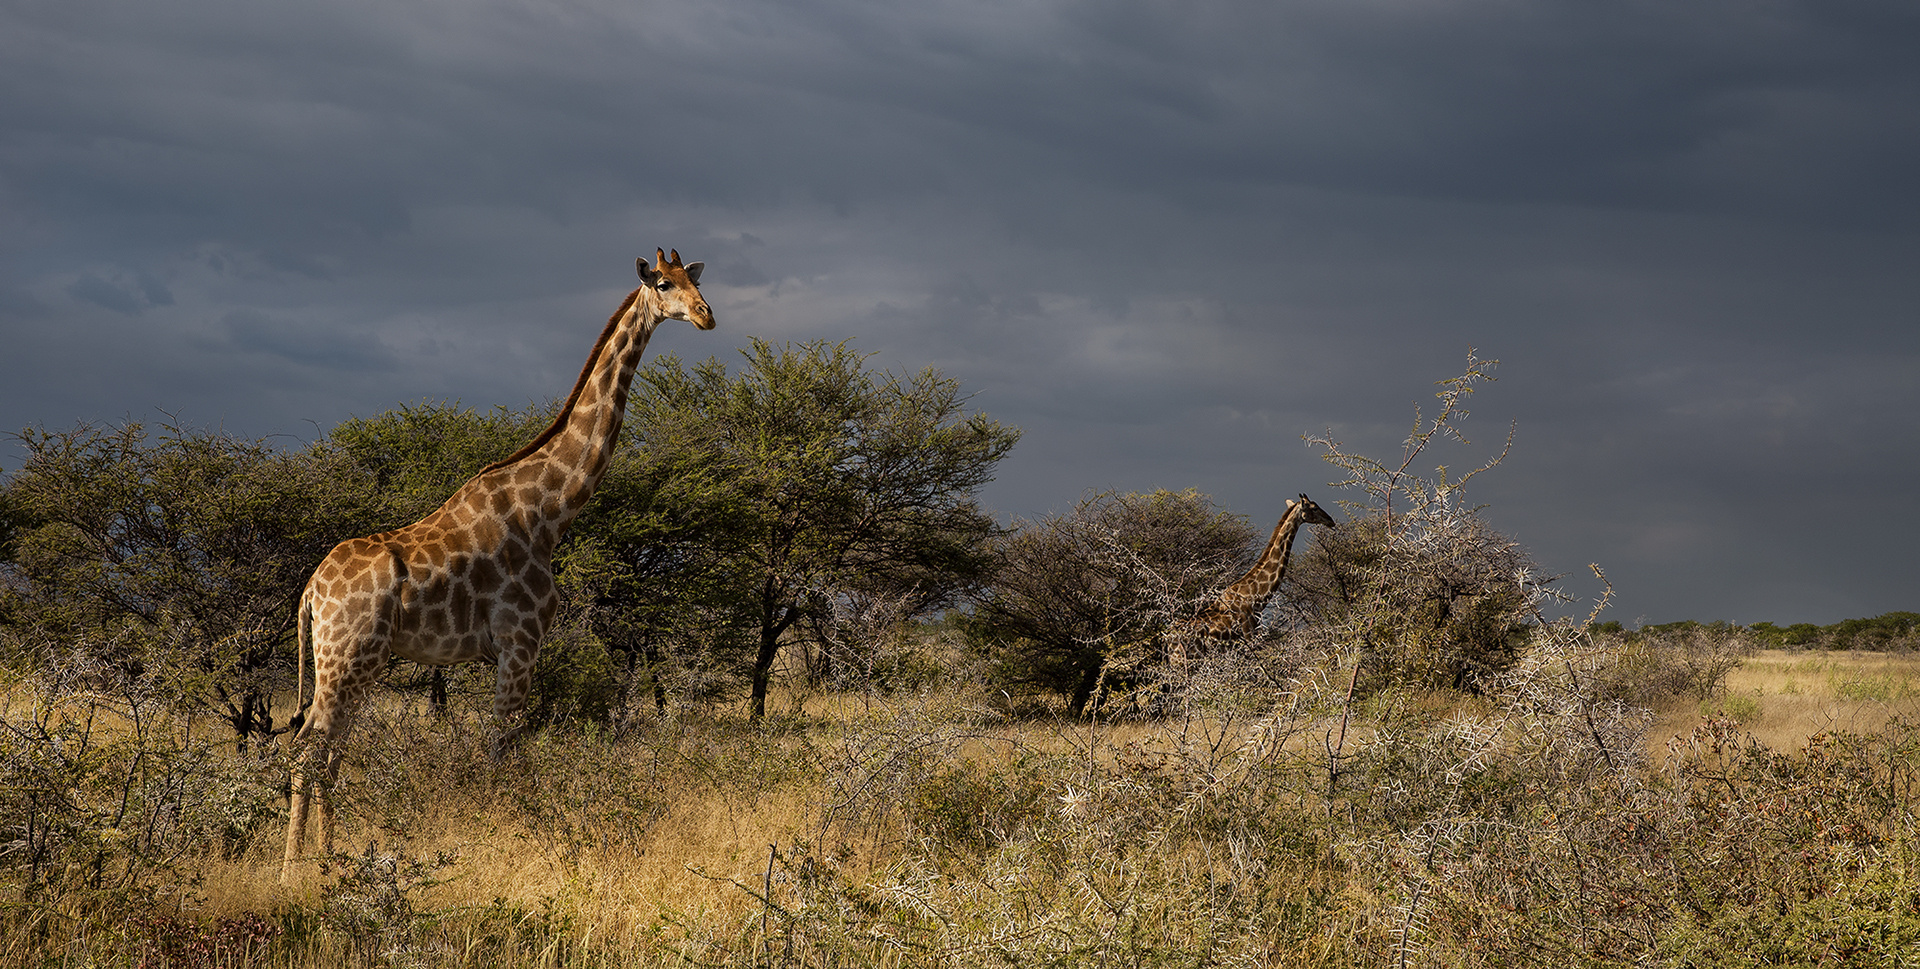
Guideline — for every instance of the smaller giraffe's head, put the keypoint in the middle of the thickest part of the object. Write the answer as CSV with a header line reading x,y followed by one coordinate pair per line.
x,y
1312,513
676,288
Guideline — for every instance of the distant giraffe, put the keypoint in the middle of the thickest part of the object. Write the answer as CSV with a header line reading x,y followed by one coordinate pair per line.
x,y
1238,608
474,579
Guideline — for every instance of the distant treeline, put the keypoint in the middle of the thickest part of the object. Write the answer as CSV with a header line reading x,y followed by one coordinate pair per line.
x,y
1888,631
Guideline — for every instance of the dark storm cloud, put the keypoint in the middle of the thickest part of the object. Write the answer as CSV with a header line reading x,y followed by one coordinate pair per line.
x,y
1167,240
99,292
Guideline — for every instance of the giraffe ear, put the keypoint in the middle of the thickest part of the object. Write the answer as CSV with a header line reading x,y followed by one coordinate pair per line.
x,y
693,271
645,273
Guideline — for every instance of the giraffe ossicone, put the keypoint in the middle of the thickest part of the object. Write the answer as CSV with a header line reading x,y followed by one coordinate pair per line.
x,y
1236,611
472,581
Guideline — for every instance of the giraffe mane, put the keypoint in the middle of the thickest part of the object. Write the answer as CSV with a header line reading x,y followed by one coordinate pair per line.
x,y
579,385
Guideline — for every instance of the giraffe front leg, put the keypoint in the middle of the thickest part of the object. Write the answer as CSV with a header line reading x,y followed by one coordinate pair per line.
x,y
513,682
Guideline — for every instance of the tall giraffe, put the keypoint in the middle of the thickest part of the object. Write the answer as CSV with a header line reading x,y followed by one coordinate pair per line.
x,y
474,579
1238,608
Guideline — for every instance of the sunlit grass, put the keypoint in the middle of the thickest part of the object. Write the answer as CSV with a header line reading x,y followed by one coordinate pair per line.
x,y
1784,697
936,830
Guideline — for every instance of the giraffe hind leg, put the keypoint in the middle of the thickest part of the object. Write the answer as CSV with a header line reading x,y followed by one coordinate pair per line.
x,y
315,771
299,798
318,753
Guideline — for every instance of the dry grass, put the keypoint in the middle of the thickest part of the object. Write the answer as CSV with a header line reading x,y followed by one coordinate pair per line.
x,y
933,831
1785,697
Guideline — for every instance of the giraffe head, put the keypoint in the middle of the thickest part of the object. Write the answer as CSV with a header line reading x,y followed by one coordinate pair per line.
x,y
676,288
1312,514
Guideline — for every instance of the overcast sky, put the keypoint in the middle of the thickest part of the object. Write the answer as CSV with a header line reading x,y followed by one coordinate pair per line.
x,y
1164,239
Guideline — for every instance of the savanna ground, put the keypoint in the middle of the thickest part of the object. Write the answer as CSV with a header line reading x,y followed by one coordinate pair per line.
x,y
1609,803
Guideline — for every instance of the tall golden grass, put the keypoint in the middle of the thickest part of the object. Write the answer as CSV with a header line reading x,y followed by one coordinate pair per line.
x,y
937,831
1785,697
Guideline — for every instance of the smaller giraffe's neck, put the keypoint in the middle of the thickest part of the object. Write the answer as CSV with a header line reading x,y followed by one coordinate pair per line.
x,y
564,464
1234,611
1264,577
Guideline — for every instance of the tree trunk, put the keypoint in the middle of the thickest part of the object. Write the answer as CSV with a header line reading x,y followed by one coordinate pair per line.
x,y
1083,691
763,669
774,620
248,718
651,653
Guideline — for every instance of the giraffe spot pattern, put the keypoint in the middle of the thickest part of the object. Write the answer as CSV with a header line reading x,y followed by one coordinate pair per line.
x,y
485,576
471,580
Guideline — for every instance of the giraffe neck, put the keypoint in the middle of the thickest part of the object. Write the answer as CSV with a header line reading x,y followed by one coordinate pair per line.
x,y
1264,577
1234,611
550,479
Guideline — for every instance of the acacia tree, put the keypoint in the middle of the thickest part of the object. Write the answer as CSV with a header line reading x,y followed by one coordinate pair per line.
x,y
1095,589
808,475
649,561
1425,589
184,551
417,454
1451,608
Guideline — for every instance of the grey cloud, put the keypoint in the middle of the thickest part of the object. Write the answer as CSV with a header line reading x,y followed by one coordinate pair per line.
x,y
1165,240
127,296
331,349
99,292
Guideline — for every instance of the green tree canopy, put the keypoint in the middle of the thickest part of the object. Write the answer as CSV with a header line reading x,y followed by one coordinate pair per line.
x,y
416,455
804,476
190,543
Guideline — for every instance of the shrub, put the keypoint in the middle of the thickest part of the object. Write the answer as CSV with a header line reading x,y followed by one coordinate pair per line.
x,y
109,796
1424,589
1680,660
1448,606
1090,593
969,806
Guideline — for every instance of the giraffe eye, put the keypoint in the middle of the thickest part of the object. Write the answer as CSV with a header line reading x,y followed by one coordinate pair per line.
x,y
663,285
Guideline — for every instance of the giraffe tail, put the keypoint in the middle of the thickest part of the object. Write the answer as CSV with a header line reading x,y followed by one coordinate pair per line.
x,y
303,621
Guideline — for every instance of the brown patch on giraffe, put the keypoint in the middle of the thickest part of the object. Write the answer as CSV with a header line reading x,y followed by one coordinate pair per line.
x,y
483,536
459,600
485,577
518,598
